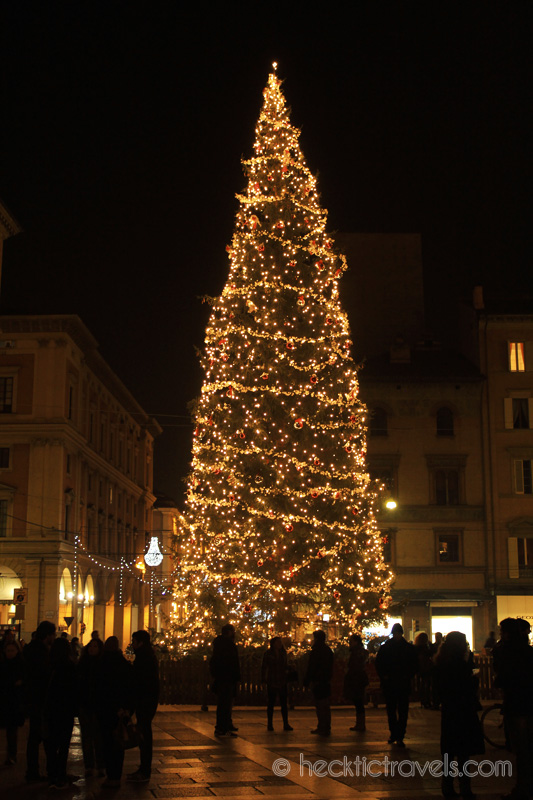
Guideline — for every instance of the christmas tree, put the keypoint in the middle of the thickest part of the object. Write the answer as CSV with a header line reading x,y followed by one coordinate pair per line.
x,y
281,526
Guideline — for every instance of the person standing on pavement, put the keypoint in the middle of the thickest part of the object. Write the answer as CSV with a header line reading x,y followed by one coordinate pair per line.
x,y
114,699
318,677
11,696
274,675
396,665
59,709
356,680
36,655
146,698
88,668
226,672
461,732
513,666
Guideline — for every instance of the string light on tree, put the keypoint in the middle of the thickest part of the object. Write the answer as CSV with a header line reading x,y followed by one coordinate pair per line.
x,y
281,513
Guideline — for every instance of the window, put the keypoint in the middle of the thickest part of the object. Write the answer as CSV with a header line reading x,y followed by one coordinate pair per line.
x,y
6,395
3,519
448,548
447,487
4,457
378,422
523,483
70,402
386,543
384,468
444,422
520,550
517,361
525,553
518,412
446,479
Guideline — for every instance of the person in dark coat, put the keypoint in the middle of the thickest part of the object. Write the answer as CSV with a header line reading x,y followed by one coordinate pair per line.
x,y
461,732
226,672
114,700
59,709
318,677
396,665
91,740
11,696
490,643
145,675
274,674
513,666
36,676
425,666
356,680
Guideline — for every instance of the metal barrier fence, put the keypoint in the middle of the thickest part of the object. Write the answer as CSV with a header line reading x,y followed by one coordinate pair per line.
x,y
187,681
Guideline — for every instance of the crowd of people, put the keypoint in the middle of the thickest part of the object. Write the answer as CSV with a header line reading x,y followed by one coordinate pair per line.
x,y
443,672
52,680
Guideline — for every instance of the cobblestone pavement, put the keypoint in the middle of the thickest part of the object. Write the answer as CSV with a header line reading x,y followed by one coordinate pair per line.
x,y
190,762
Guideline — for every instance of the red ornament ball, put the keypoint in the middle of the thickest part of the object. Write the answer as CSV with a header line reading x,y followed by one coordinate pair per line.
x,y
313,379
247,609
234,581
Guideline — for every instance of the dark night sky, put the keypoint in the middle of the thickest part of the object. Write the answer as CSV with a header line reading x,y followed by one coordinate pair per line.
x,y
123,125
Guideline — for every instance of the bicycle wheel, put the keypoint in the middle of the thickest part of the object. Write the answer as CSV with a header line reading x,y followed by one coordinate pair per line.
x,y
493,728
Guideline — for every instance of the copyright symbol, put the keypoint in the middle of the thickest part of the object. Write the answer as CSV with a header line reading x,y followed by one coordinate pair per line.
x,y
281,767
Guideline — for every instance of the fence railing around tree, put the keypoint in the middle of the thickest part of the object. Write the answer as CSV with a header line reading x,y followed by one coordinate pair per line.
x,y
187,680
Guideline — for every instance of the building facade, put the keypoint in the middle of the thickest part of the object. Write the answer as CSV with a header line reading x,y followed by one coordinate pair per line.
x,y
76,483
425,445
505,344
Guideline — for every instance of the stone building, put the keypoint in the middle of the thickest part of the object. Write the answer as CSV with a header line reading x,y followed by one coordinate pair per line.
x,y
505,344
76,484
425,445
425,440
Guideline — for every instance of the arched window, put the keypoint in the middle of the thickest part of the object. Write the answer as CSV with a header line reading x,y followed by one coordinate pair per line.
x,y
444,422
378,422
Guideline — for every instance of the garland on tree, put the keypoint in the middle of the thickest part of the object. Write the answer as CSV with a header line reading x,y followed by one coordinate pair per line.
x,y
281,521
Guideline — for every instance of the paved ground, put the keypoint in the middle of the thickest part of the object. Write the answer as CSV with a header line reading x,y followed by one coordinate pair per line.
x,y
190,762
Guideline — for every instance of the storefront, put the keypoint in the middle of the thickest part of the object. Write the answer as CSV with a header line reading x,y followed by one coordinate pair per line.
x,y
515,605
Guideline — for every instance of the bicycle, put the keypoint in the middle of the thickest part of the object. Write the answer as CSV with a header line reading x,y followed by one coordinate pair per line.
x,y
492,722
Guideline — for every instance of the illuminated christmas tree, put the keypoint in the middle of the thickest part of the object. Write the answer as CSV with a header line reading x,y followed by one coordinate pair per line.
x,y
281,521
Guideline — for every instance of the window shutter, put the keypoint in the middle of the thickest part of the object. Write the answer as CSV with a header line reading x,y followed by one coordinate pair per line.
x,y
508,412
530,411
512,550
528,356
519,476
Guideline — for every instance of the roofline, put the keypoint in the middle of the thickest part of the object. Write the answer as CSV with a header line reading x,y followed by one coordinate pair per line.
x,y
8,222
72,325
